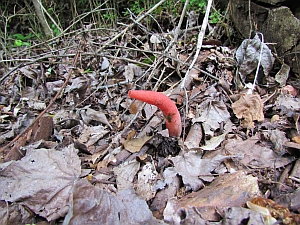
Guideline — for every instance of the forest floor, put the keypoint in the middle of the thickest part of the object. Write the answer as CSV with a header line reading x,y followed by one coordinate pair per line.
x,y
76,149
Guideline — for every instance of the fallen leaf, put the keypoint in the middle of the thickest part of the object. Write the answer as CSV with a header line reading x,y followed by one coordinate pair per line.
x,y
213,143
14,214
41,180
125,174
170,186
194,137
88,115
132,70
289,89
248,55
151,125
236,215
249,108
213,113
90,135
287,104
135,144
278,139
93,206
105,64
192,168
145,186
149,110
254,155
228,190
283,74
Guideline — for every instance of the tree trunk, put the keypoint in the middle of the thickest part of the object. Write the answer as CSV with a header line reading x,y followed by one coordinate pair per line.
x,y
42,19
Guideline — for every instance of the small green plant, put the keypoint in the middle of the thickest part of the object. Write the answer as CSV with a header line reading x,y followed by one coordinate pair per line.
x,y
215,17
21,40
149,60
136,8
88,70
197,5
110,16
55,30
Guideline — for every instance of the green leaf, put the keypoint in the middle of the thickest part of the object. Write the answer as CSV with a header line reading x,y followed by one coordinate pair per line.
x,y
24,43
18,43
87,71
19,36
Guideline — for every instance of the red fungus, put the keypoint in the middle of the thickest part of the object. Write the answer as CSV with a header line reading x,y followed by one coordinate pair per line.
x,y
165,104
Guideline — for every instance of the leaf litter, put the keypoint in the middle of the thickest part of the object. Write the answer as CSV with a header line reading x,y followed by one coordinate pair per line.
x,y
98,157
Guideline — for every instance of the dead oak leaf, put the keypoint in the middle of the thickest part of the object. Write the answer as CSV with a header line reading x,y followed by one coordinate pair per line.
x,y
249,108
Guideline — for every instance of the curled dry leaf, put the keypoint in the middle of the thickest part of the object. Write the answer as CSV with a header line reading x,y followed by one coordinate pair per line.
x,y
249,108
283,74
88,115
125,174
248,55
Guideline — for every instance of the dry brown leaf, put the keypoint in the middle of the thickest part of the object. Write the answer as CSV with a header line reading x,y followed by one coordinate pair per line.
x,y
135,144
88,115
41,180
287,104
278,140
225,191
132,70
289,89
153,123
283,74
213,113
90,205
169,187
90,135
149,110
296,139
249,108
213,143
125,174
193,169
194,137
254,155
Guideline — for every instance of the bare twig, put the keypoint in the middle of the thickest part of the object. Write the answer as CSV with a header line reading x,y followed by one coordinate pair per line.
x,y
131,25
199,43
177,30
259,61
